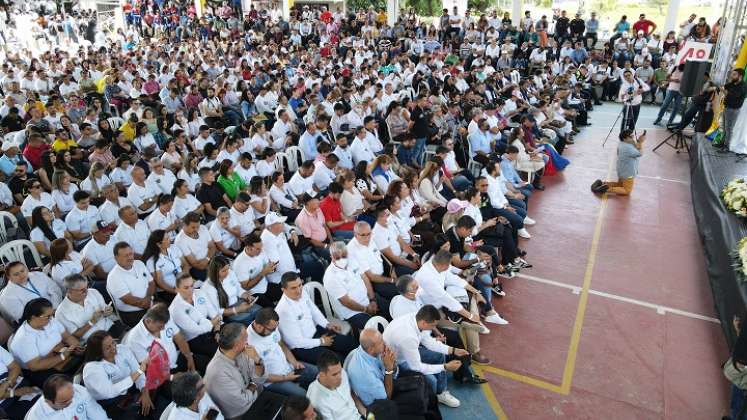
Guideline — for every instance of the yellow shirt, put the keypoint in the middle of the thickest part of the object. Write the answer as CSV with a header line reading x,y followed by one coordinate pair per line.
x,y
128,131
59,144
381,18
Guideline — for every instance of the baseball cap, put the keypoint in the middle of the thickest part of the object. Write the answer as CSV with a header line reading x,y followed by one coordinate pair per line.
x,y
455,205
103,227
274,217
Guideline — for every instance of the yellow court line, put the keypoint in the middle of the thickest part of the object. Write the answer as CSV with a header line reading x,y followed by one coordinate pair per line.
x,y
494,404
570,363
539,383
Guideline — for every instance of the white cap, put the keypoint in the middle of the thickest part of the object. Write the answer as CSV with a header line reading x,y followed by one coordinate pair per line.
x,y
274,217
7,145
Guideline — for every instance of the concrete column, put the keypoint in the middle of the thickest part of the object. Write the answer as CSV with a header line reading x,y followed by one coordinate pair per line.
x,y
671,23
516,12
392,11
286,9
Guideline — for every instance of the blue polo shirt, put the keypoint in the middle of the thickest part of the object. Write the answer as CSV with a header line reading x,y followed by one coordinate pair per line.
x,y
366,374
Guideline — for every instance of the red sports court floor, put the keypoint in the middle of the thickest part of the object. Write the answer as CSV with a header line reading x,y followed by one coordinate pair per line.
x,y
616,319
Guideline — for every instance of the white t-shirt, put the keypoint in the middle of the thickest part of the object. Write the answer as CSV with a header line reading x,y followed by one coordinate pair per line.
x,y
73,316
169,265
30,203
182,206
197,248
134,281
269,350
139,340
248,267
340,282
66,267
58,227
30,343
101,255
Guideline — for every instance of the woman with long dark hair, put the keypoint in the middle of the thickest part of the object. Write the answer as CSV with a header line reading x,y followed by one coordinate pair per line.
x,y
45,171
108,370
165,261
45,229
42,346
224,291
63,261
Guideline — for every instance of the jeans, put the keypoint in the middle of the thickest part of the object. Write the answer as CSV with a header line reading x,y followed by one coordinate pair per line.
x,y
671,96
632,117
737,403
730,119
245,318
437,381
296,387
358,321
344,235
420,150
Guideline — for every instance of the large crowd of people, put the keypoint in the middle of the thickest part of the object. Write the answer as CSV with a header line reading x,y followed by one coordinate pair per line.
x,y
223,205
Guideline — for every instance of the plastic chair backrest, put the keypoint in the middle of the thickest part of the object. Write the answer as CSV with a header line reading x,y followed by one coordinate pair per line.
x,y
295,158
377,323
115,122
16,251
6,233
312,288
280,159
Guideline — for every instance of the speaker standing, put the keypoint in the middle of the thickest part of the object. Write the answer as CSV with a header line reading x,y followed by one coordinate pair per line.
x,y
735,94
631,95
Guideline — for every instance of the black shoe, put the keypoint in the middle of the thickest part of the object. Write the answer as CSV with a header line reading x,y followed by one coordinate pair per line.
x,y
601,189
539,186
473,380
595,185
521,252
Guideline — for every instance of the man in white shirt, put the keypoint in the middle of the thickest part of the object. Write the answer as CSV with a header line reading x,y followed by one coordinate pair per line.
x,y
109,211
342,151
364,255
242,214
308,140
131,230
352,296
252,268
283,128
360,149
404,335
130,285
63,400
162,178
83,311
191,401
303,326
197,318
158,326
285,374
81,220
162,217
275,243
100,250
196,245
325,172
23,286
142,193
302,181
631,95
330,394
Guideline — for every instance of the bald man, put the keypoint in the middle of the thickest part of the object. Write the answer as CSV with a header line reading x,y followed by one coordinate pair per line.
x,y
372,368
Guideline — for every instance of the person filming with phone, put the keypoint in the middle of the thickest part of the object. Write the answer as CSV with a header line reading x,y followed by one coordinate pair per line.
x,y
629,151
631,96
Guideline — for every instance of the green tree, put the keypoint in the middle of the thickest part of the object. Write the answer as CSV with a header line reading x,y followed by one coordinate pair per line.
x,y
605,5
659,4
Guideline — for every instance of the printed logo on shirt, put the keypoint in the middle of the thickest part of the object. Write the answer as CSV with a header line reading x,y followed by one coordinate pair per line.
x,y
80,408
201,301
170,332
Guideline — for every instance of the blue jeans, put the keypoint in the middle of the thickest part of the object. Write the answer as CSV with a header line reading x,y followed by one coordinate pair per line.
x,y
245,318
344,235
420,150
737,402
520,206
671,95
296,387
437,381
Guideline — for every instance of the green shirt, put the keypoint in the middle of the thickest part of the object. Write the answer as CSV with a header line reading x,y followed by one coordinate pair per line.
x,y
231,185
660,75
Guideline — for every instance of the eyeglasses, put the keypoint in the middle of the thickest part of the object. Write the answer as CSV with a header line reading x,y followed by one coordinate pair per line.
x,y
363,234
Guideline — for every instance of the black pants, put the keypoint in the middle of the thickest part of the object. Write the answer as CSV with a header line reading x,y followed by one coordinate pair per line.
x,y
271,296
690,115
204,344
342,345
266,406
37,378
131,318
632,117
386,290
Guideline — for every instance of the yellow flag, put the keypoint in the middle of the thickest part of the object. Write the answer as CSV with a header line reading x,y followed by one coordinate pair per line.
x,y
290,4
742,57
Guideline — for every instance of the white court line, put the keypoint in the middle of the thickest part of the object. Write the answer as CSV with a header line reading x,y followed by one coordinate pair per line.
x,y
660,309
658,178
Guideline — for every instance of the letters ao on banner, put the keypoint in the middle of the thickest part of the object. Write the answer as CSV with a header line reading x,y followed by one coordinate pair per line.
x,y
694,51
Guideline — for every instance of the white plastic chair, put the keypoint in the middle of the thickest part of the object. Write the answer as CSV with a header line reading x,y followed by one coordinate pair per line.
x,y
313,288
280,160
6,233
115,122
295,158
377,323
16,251
229,130
472,166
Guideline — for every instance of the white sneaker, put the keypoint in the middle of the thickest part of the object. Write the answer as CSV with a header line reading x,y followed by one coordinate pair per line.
x,y
496,319
529,221
484,330
448,400
524,234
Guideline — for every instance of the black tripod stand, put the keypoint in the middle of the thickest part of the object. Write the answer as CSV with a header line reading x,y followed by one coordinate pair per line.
x,y
680,141
624,113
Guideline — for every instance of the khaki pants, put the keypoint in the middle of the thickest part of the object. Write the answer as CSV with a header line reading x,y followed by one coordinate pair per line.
x,y
469,331
623,187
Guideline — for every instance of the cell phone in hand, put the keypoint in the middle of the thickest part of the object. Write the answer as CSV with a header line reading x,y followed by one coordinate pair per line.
x,y
298,371
212,414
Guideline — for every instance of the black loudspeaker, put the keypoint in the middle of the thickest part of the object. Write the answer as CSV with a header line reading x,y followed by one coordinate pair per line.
x,y
693,77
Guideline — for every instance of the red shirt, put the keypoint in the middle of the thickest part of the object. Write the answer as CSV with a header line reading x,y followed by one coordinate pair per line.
x,y
33,154
643,25
332,211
